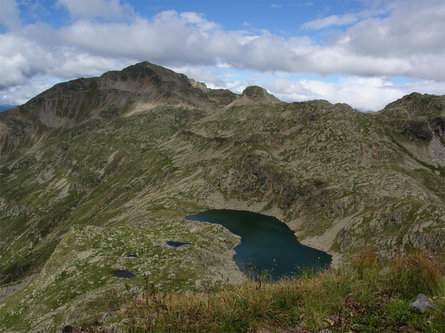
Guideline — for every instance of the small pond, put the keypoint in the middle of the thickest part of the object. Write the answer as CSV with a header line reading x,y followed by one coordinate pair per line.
x,y
177,244
124,274
267,244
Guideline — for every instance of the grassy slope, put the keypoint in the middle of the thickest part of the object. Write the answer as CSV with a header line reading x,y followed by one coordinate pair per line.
x,y
84,260
367,295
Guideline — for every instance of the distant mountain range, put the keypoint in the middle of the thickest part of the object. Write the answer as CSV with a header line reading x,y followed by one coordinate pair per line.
x,y
6,107
93,170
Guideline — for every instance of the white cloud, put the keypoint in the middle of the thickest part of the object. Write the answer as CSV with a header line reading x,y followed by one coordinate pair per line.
x,y
333,20
84,64
346,19
9,14
21,93
20,59
108,9
199,21
365,94
207,75
414,29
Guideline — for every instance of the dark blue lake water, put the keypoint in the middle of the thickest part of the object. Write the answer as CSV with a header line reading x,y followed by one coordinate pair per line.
x,y
267,244
177,244
124,274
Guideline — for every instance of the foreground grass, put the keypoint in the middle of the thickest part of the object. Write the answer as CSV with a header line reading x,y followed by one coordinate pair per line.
x,y
367,295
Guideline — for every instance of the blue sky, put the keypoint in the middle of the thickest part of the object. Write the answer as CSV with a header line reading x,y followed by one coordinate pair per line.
x,y
278,17
363,52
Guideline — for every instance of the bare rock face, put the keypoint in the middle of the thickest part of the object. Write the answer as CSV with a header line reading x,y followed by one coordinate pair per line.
x,y
417,123
199,85
422,303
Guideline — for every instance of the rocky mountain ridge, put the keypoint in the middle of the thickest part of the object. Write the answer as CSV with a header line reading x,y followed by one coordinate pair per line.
x,y
90,165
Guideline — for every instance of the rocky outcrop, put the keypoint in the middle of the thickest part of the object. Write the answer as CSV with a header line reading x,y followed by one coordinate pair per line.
x,y
417,123
423,303
254,95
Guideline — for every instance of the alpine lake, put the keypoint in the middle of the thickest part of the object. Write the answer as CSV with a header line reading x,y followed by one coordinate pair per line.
x,y
268,247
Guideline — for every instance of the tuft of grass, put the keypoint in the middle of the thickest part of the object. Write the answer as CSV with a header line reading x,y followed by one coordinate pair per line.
x,y
417,273
366,295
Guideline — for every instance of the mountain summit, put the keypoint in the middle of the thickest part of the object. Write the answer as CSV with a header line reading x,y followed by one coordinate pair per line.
x,y
83,103
98,174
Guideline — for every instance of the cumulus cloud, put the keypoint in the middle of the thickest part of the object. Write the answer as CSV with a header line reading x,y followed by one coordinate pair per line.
x,y
22,58
199,21
9,14
414,29
208,75
364,94
108,9
21,93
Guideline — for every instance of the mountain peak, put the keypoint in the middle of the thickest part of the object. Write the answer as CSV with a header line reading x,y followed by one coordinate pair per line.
x,y
415,106
146,71
255,91
254,95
